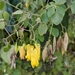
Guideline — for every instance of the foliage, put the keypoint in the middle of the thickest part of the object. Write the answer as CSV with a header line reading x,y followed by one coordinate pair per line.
x,y
37,37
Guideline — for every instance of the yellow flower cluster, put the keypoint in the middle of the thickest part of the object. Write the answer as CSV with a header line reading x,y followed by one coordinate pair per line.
x,y
32,53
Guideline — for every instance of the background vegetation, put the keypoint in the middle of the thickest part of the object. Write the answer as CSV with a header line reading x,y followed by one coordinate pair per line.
x,y
50,23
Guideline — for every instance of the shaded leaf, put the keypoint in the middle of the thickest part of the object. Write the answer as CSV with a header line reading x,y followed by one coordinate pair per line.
x,y
44,17
42,29
55,32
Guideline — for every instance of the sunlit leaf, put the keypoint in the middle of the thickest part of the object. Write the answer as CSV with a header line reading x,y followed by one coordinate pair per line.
x,y
6,15
60,1
17,12
2,5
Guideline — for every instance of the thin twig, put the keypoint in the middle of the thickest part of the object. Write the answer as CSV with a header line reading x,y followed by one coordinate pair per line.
x,y
9,35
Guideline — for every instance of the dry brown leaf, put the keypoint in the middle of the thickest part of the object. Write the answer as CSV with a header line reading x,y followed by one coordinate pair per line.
x,y
54,45
59,42
49,49
65,43
62,48
44,53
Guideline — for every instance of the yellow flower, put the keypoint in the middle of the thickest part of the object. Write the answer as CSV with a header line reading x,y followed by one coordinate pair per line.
x,y
37,46
34,60
33,54
29,48
21,51
27,5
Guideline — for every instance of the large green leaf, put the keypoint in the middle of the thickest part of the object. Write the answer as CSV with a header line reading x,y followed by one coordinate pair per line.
x,y
2,5
50,11
2,25
42,29
55,32
44,17
6,55
6,15
73,7
60,1
61,9
57,17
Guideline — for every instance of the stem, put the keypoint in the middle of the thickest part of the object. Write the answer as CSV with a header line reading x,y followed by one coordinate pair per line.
x,y
11,4
9,35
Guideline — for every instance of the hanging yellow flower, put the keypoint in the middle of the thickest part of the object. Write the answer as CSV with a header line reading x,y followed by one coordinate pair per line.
x,y
33,54
29,48
21,51
34,58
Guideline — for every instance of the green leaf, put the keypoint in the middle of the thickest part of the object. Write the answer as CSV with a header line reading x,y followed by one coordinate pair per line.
x,y
41,38
6,15
44,17
55,32
18,12
7,48
16,48
2,5
61,9
42,29
2,25
16,72
25,23
73,7
50,11
1,15
6,55
57,17
60,1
